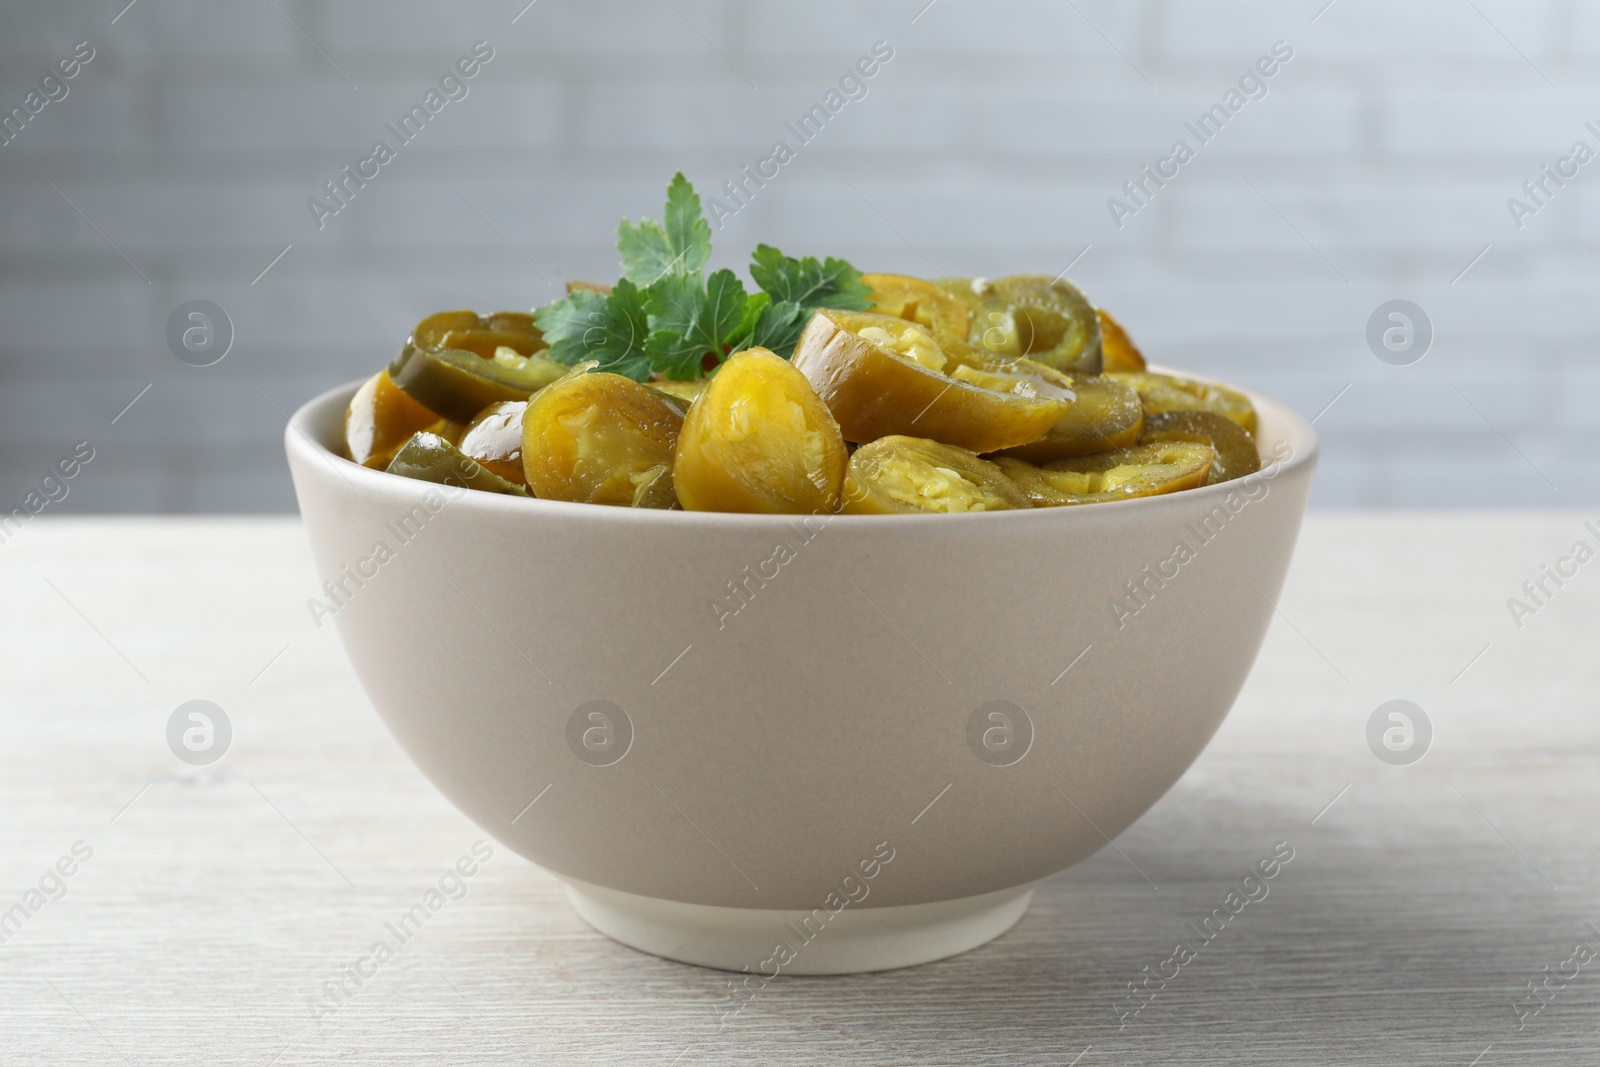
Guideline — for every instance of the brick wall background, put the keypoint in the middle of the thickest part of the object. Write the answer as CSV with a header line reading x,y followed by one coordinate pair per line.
x,y
1377,167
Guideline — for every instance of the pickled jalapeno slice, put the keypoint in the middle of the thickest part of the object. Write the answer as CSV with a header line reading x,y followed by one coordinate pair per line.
x,y
479,334
1047,319
458,383
494,439
1104,414
1236,450
1163,392
758,439
882,376
1117,348
380,419
601,438
945,316
459,362
1144,470
430,458
901,475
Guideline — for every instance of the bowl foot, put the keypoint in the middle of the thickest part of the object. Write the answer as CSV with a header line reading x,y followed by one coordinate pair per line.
x,y
851,941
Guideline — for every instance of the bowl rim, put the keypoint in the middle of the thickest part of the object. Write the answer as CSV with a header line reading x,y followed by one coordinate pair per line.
x,y
302,441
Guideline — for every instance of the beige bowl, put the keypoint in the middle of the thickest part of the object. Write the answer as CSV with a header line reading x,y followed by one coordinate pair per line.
x,y
799,745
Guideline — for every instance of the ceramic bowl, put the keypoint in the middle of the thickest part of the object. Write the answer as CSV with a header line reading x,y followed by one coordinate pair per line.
x,y
798,744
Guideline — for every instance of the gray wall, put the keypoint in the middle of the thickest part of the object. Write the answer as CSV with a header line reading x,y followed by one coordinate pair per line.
x,y
1377,167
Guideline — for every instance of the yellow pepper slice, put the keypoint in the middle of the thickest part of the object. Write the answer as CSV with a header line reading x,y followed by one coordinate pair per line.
x,y
909,475
758,439
1163,392
921,302
382,417
601,439
1120,353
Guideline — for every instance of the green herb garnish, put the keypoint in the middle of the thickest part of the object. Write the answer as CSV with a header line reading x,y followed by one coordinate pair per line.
x,y
665,316
610,329
651,251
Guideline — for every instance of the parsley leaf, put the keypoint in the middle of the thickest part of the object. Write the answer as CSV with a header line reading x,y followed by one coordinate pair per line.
x,y
690,319
651,251
563,323
611,329
832,283
777,328
688,232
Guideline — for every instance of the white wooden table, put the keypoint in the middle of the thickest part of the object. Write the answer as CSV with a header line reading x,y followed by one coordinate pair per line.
x,y
218,900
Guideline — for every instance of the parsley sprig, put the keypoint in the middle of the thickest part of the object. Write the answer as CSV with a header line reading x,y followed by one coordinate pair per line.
x,y
665,315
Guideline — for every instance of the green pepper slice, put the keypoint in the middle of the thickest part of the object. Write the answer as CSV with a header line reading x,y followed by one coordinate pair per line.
x,y
428,457
1047,319
1123,474
1104,414
883,376
1236,450
483,334
458,383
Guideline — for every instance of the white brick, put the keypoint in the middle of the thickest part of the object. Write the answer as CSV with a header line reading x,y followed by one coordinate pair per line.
x,y
158,33
264,117
1388,215
687,119
1133,127
1038,28
41,315
1582,37
914,226
384,28
1189,29
264,120
1293,121
372,27
1393,37
414,208
101,113
142,216
1532,125
34,35
890,124
839,31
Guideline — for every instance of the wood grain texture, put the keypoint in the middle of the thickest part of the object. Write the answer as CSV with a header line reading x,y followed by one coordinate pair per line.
x,y
216,904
